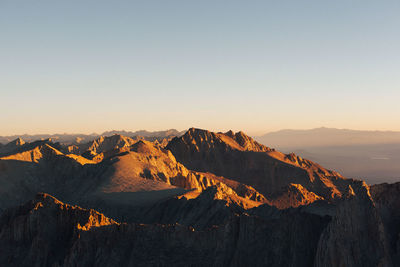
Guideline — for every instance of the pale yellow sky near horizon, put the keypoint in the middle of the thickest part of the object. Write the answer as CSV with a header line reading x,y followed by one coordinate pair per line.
x,y
255,119
93,66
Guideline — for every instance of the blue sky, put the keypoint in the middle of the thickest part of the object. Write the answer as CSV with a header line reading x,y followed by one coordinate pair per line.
x,y
257,66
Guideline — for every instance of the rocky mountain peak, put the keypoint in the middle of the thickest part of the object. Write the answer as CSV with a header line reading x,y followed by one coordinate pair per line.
x,y
230,133
46,199
199,138
294,195
195,133
248,143
17,142
34,152
107,143
220,191
144,147
12,146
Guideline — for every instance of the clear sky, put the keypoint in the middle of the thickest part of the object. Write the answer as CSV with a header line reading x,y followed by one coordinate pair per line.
x,y
257,66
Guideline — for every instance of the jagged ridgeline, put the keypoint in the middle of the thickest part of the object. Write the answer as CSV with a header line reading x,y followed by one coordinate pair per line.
x,y
196,199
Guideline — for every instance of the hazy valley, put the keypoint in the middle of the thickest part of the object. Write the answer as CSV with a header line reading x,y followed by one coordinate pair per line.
x,y
373,156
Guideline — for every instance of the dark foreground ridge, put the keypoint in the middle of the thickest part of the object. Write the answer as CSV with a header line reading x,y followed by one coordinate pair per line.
x,y
47,232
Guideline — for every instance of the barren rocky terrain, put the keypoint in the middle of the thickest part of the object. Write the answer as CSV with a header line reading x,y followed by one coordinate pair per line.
x,y
200,199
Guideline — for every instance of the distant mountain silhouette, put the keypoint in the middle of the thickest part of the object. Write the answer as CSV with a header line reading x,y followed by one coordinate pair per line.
x,y
327,137
144,133
370,155
84,138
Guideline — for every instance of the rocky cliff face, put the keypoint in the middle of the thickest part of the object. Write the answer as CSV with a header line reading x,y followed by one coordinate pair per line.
x,y
387,200
40,232
356,234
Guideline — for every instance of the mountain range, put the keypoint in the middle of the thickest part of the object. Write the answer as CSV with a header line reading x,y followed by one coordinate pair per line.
x,y
325,137
192,199
84,138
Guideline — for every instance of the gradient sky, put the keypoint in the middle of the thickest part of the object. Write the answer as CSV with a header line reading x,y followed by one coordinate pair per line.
x,y
257,66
